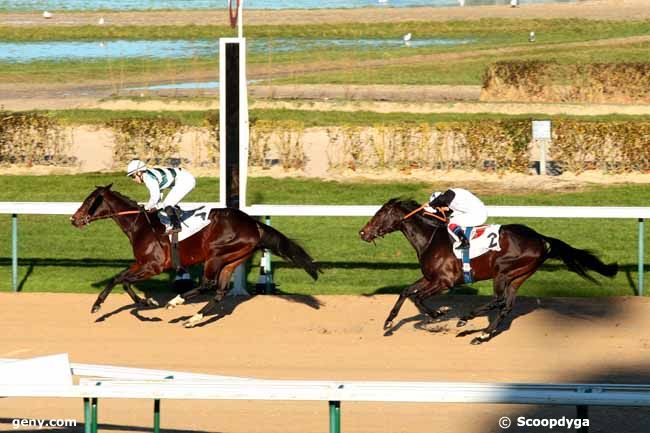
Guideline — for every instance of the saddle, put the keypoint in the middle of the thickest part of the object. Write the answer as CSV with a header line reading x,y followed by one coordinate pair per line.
x,y
481,239
192,220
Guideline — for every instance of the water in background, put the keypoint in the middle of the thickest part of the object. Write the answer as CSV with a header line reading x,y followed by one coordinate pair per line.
x,y
51,5
21,52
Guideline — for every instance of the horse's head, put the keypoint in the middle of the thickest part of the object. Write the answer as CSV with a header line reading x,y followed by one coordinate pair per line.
x,y
387,220
93,207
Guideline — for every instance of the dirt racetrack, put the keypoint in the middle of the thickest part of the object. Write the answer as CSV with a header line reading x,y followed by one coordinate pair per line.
x,y
333,337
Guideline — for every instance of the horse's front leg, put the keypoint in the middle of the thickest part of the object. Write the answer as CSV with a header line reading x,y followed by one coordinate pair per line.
x,y
149,302
133,273
406,293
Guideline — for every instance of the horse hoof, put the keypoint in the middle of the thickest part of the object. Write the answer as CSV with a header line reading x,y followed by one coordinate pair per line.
x,y
476,341
388,324
151,302
95,308
178,300
461,323
193,321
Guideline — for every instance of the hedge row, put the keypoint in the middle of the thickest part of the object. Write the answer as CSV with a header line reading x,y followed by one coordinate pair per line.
x,y
540,81
490,145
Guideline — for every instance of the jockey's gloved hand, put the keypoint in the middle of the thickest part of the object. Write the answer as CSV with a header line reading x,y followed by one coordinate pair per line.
x,y
148,207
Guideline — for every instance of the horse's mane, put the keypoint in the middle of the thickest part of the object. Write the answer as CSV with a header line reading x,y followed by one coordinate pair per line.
x,y
124,198
407,205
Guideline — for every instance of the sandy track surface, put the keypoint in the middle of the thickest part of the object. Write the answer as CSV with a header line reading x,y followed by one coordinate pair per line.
x,y
590,9
333,337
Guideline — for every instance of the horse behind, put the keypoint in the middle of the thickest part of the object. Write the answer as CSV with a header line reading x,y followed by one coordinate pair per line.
x,y
230,238
523,251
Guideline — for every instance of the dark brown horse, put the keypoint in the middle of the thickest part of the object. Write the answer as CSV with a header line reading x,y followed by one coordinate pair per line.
x,y
523,251
226,242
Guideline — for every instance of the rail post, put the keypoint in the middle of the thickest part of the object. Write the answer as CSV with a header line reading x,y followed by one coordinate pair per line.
x,y
267,267
641,254
87,416
582,412
94,415
335,416
156,416
14,252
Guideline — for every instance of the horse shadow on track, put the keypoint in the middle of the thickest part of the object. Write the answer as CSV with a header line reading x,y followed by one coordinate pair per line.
x,y
159,290
463,299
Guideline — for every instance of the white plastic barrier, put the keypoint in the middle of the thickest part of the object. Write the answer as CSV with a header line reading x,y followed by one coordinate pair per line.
x,y
183,386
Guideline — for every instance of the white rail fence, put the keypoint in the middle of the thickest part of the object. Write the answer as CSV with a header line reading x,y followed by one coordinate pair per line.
x,y
605,212
157,385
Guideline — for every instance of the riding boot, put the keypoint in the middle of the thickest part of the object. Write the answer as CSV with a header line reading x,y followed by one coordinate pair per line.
x,y
174,219
464,243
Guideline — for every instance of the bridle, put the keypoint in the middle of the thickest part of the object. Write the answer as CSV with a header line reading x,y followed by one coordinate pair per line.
x,y
87,219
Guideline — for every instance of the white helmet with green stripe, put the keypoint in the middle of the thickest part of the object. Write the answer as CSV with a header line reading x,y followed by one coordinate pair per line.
x,y
135,166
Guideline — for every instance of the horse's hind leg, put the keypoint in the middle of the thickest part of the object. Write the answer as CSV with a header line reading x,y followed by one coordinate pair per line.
x,y
494,303
206,285
499,285
504,309
223,282
211,269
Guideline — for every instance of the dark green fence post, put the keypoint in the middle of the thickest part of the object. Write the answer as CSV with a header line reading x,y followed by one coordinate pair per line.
x,y
87,416
14,252
94,415
156,416
641,258
267,267
335,417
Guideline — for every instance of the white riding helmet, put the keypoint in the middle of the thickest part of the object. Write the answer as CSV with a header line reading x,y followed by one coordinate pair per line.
x,y
434,195
135,166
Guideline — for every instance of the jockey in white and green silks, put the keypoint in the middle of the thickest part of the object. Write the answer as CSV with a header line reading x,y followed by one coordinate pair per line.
x,y
179,181
468,211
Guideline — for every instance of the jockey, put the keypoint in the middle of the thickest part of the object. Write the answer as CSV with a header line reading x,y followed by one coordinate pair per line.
x,y
468,211
180,181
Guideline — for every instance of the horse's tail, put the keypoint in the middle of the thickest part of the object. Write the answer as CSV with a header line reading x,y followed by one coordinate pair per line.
x,y
288,250
578,261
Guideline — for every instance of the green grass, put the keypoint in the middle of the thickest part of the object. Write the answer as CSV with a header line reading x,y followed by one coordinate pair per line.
x,y
56,257
333,64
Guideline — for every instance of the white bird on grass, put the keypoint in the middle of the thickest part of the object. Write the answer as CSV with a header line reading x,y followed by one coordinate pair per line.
x,y
47,14
407,39
101,21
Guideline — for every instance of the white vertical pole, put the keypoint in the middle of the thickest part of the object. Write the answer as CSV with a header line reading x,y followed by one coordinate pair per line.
x,y
542,157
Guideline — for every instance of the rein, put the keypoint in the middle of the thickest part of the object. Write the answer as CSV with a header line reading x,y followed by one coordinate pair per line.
x,y
88,219
436,216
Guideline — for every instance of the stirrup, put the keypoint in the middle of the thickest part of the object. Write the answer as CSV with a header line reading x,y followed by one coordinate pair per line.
x,y
173,230
464,245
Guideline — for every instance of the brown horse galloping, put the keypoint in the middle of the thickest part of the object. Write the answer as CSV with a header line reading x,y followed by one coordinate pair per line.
x,y
523,251
226,242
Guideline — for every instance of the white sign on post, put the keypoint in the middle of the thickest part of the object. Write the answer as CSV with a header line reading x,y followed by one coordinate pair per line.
x,y
542,134
541,129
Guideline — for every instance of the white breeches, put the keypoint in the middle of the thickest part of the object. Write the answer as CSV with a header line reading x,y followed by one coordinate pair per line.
x,y
472,219
184,183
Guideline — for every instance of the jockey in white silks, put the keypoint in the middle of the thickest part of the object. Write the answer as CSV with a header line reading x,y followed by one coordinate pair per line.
x,y
468,211
179,182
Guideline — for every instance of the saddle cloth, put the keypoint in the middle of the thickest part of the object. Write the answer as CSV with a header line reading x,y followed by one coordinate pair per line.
x,y
481,240
192,221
